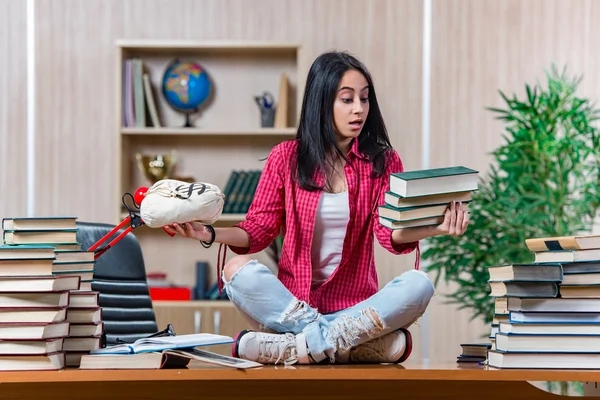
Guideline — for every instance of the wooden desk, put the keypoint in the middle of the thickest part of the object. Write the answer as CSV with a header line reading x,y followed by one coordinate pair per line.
x,y
410,381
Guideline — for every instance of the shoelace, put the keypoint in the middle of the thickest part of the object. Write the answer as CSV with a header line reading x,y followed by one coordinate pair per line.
x,y
272,349
369,351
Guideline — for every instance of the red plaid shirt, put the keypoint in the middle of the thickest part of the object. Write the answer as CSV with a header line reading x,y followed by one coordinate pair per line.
x,y
280,204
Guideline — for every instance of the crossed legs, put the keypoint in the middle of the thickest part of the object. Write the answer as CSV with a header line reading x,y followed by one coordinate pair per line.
x,y
269,306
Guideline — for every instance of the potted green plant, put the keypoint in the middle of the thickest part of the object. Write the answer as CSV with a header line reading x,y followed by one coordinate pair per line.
x,y
544,181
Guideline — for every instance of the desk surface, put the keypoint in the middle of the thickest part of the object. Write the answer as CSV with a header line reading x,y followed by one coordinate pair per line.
x,y
407,372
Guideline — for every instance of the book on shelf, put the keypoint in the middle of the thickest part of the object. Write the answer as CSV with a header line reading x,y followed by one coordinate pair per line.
x,y
138,96
434,181
161,343
127,94
239,191
248,192
149,97
584,242
526,272
138,93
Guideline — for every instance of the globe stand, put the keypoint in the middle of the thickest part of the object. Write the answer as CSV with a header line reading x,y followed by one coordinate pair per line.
x,y
188,122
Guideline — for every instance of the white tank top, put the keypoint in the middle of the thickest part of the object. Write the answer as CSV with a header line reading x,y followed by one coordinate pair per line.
x,y
333,214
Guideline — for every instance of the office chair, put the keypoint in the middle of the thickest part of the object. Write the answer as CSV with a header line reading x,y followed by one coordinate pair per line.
x,y
120,278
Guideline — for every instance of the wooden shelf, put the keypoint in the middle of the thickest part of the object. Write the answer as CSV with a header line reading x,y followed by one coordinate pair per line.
x,y
232,217
208,132
216,45
223,218
226,133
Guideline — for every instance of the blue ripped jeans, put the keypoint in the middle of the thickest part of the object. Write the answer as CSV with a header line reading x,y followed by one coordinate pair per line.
x,y
269,305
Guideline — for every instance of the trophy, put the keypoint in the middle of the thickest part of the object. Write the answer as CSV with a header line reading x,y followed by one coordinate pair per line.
x,y
156,166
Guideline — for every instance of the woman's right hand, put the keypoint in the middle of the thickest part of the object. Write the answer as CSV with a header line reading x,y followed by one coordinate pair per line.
x,y
191,230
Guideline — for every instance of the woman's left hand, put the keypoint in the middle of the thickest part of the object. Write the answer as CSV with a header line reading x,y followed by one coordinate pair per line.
x,y
455,222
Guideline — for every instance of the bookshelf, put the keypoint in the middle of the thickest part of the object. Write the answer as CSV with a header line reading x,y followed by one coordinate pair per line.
x,y
226,133
171,131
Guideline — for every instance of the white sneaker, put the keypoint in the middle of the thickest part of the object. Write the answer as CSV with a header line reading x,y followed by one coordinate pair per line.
x,y
271,348
395,347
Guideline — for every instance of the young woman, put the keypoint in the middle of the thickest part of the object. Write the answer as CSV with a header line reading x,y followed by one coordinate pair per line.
x,y
322,191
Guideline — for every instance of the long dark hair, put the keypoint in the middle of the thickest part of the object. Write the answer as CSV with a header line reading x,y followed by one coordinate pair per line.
x,y
317,142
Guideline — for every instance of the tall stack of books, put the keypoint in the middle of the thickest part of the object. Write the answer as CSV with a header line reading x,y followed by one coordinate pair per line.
x,y
33,305
82,311
421,198
552,317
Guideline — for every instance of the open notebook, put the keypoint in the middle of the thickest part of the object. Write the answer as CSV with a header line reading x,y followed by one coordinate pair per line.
x,y
152,344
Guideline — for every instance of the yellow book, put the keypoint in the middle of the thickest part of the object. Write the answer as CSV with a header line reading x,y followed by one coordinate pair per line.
x,y
559,243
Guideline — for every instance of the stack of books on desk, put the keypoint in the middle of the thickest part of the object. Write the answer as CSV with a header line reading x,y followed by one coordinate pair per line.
x,y
473,352
33,305
552,316
84,312
69,263
421,198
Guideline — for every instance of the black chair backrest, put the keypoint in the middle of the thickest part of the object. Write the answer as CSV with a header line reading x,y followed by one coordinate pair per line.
x,y
120,278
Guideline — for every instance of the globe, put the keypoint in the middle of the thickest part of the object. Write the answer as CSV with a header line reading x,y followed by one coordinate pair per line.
x,y
186,87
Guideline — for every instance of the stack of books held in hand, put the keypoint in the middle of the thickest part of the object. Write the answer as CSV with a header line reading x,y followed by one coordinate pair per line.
x,y
547,314
49,316
421,198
